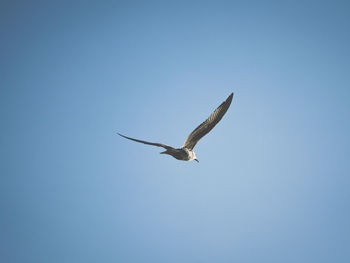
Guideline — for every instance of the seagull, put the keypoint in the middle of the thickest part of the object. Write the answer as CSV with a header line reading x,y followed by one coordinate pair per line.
x,y
186,152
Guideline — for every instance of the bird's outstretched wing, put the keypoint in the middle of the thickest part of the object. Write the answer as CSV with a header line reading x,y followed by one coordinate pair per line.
x,y
208,124
150,143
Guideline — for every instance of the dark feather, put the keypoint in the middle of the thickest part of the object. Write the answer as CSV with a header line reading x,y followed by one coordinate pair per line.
x,y
150,143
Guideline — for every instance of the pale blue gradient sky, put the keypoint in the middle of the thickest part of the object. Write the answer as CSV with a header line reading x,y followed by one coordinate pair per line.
x,y
273,180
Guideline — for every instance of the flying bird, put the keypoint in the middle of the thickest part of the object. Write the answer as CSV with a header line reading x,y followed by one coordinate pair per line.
x,y
186,152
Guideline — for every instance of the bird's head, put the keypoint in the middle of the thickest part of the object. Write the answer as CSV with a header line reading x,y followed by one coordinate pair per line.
x,y
195,157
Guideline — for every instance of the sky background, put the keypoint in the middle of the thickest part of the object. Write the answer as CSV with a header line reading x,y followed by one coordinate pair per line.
x,y
273,180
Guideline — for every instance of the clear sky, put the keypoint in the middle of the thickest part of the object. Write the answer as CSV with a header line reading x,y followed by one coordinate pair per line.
x,y
273,180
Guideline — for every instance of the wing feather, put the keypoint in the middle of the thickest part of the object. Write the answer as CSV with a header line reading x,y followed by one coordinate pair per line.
x,y
149,143
208,124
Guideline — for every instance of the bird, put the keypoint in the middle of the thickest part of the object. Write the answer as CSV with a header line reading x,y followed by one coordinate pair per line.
x,y
186,152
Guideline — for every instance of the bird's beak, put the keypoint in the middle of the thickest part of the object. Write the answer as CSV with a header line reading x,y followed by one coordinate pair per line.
x,y
196,160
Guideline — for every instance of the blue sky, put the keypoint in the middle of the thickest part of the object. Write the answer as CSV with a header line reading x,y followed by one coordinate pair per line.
x,y
273,181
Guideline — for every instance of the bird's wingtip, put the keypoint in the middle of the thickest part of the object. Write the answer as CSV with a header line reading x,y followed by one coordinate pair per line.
x,y
230,97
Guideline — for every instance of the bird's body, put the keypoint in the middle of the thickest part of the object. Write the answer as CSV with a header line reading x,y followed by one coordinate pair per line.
x,y
183,154
186,152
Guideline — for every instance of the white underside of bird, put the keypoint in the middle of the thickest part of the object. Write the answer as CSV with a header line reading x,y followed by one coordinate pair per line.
x,y
186,152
